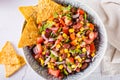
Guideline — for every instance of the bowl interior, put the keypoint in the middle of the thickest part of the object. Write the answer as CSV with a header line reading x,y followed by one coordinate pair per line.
x,y
100,53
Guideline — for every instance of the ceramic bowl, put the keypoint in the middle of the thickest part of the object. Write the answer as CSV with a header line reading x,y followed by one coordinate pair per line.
x,y
100,52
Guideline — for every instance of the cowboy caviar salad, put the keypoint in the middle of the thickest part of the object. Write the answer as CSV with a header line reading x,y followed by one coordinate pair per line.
x,y
66,42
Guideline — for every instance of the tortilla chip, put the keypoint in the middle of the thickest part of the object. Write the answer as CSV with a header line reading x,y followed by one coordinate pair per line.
x,y
8,54
0,58
29,11
29,35
11,69
47,8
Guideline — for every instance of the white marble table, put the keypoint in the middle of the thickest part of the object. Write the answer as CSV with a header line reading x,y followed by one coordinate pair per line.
x,y
10,28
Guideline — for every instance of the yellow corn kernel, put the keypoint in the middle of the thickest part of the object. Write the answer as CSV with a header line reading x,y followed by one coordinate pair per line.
x,y
52,67
91,29
43,32
68,55
88,24
76,57
66,51
41,61
62,51
93,54
43,53
58,46
80,65
65,35
71,30
79,39
83,37
81,22
78,46
73,66
79,59
81,29
60,66
84,50
78,34
83,58
49,66
60,59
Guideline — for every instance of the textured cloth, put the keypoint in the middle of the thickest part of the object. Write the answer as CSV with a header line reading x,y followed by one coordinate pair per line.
x,y
109,12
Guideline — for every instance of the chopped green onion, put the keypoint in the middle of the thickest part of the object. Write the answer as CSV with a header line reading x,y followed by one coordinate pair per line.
x,y
65,72
59,29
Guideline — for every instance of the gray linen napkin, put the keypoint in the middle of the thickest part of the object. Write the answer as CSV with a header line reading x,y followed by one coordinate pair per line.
x,y
109,12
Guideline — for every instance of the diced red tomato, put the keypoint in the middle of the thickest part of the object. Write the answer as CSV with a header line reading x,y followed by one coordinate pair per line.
x,y
52,60
72,36
67,21
91,35
57,24
62,22
71,59
39,40
77,26
91,26
60,37
38,51
80,11
53,72
81,17
88,41
39,48
92,47
55,29
65,30
73,42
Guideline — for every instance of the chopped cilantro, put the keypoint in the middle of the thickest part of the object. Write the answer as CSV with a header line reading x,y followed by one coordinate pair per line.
x,y
55,15
68,8
46,25
72,51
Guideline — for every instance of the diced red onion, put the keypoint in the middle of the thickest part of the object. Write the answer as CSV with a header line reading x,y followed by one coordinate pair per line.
x,y
69,70
47,60
60,62
88,53
75,16
51,39
87,60
35,50
43,35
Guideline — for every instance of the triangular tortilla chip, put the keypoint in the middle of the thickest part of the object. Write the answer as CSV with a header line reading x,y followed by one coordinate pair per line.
x,y
29,11
29,35
11,69
47,8
8,54
0,58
